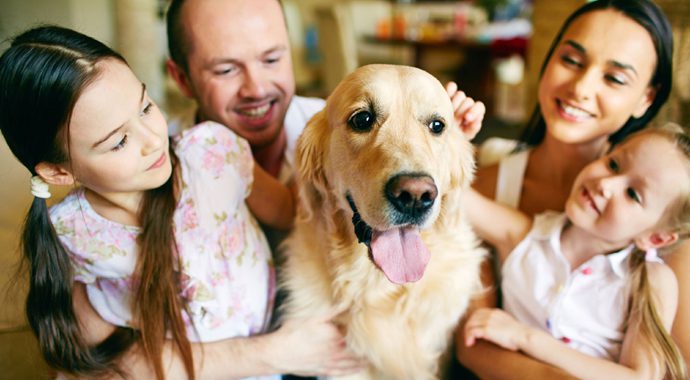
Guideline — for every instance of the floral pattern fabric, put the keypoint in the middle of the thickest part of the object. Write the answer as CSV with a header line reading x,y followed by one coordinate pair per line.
x,y
227,275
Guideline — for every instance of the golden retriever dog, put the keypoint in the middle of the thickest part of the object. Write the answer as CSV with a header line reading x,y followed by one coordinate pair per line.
x,y
380,236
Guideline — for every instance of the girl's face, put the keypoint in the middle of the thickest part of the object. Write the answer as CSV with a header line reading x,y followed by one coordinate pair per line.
x,y
118,137
597,78
626,194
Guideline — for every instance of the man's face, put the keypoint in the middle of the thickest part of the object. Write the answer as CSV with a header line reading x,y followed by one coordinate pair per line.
x,y
240,70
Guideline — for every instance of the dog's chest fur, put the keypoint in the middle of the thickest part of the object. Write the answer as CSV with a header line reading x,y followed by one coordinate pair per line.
x,y
401,329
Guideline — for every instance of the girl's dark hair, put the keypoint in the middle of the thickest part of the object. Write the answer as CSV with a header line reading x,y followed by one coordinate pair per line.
x,y
652,18
42,75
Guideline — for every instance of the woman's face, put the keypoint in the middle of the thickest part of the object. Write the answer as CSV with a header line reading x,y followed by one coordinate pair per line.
x,y
597,78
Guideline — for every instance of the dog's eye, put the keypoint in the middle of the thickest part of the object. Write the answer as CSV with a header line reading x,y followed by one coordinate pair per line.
x,y
361,121
437,127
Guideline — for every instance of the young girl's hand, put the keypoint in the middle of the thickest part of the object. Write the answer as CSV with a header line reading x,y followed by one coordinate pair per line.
x,y
468,113
315,347
497,326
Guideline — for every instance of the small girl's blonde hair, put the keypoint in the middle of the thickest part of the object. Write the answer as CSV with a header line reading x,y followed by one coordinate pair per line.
x,y
643,306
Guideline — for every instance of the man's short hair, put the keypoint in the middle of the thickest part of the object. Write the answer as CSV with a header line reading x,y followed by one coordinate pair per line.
x,y
178,42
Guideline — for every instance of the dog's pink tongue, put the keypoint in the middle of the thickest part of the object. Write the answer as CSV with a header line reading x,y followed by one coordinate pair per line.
x,y
400,253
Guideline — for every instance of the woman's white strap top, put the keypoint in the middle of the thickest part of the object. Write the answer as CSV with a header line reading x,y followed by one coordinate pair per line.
x,y
511,172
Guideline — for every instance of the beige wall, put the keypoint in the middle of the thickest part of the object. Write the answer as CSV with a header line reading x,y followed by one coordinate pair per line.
x,y
131,27
89,16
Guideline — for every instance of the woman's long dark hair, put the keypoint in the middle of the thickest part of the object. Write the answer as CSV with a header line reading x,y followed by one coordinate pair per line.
x,y
652,18
42,75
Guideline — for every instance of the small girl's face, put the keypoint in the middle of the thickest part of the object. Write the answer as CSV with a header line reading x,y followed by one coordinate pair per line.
x,y
597,78
118,137
627,193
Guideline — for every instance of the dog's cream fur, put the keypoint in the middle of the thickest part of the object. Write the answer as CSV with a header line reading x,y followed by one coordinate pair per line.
x,y
401,329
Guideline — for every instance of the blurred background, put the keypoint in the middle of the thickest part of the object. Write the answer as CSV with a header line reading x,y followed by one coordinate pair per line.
x,y
492,48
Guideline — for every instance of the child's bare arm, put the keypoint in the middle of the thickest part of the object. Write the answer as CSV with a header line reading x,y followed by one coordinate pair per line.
x,y
314,346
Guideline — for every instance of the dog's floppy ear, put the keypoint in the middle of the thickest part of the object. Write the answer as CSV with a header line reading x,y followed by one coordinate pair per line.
x,y
461,167
310,160
310,146
462,164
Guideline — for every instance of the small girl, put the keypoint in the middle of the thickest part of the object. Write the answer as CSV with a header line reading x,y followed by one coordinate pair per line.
x,y
583,290
157,236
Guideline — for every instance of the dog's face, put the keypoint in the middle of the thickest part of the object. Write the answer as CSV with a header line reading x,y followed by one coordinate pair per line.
x,y
387,151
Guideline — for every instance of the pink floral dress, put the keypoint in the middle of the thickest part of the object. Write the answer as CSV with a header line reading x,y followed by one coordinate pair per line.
x,y
227,271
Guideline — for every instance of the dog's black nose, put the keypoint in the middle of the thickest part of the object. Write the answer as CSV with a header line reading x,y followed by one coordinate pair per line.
x,y
411,194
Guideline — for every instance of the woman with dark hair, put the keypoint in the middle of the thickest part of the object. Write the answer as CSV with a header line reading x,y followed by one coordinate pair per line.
x,y
589,97
649,16
605,76
155,250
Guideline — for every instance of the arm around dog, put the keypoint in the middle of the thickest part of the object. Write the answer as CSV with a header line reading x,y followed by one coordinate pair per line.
x,y
313,346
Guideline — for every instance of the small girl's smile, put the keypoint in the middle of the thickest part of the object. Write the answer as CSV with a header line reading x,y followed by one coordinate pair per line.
x,y
589,200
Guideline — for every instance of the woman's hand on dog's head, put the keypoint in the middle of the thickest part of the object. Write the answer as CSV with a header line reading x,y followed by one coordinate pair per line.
x,y
469,113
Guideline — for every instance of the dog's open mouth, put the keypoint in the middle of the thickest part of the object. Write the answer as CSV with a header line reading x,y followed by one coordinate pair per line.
x,y
399,252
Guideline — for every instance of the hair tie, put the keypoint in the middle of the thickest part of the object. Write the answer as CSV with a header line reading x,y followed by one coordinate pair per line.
x,y
39,188
651,255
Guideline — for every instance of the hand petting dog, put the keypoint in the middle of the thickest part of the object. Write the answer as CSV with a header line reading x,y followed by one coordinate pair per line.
x,y
469,113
